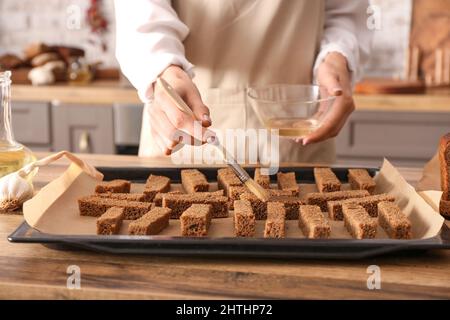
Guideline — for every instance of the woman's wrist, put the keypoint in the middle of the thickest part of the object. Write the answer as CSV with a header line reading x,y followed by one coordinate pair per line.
x,y
169,72
337,60
172,70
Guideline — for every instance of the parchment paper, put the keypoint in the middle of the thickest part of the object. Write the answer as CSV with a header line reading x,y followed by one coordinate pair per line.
x,y
429,186
54,209
431,176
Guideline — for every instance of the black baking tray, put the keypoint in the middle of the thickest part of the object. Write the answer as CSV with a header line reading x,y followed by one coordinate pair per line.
x,y
232,247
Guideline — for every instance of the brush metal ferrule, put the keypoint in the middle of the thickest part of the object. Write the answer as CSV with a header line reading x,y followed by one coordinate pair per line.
x,y
230,160
239,171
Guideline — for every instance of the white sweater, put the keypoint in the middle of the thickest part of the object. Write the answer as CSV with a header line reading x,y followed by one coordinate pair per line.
x,y
150,38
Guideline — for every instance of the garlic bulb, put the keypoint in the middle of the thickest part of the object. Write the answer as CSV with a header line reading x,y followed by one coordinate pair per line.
x,y
41,76
14,191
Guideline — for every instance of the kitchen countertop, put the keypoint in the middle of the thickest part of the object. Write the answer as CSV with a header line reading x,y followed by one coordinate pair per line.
x,y
35,271
96,93
108,92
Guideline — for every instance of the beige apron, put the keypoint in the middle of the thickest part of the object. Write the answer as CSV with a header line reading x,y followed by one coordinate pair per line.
x,y
235,44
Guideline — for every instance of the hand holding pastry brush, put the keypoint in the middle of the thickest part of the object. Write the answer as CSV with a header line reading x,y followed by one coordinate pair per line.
x,y
255,188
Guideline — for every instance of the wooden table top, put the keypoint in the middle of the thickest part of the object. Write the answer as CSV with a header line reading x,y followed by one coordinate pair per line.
x,y
35,271
108,92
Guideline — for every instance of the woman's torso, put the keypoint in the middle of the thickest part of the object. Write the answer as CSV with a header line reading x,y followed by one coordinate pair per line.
x,y
235,44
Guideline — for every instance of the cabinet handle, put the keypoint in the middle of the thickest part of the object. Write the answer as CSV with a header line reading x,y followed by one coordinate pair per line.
x,y
83,143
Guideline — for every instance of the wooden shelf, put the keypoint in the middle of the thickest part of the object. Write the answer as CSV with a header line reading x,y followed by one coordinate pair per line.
x,y
97,93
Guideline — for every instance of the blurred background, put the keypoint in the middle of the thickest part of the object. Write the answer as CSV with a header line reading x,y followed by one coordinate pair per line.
x,y
69,94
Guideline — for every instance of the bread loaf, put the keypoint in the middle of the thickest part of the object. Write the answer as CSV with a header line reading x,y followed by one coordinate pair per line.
x,y
444,158
44,58
10,61
444,206
35,49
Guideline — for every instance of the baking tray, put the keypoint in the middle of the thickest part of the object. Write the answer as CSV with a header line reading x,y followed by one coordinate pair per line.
x,y
244,247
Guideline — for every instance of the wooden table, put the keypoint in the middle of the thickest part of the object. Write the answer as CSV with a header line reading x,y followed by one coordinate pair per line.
x,y
34,271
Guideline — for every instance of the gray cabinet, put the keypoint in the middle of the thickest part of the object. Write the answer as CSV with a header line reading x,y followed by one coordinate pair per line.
x,y
405,138
43,126
83,129
31,123
127,124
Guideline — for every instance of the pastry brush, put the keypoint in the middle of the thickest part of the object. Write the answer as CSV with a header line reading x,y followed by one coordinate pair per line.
x,y
251,184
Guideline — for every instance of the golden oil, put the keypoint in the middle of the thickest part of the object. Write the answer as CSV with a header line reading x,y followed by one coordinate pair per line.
x,y
293,127
14,159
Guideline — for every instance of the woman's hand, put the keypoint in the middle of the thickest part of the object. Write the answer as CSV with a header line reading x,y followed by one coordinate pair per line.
x,y
334,75
169,125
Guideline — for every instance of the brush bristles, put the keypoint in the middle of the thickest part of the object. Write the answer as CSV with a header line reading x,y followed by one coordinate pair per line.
x,y
257,190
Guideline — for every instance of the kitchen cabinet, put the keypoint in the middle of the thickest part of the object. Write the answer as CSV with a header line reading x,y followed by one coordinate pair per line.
x,y
405,138
102,117
83,129
105,117
127,124
31,123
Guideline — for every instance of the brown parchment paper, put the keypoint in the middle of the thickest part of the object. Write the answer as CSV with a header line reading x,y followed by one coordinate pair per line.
x,y
431,176
429,185
54,209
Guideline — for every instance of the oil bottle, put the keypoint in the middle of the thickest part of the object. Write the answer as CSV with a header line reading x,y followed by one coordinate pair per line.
x,y
13,155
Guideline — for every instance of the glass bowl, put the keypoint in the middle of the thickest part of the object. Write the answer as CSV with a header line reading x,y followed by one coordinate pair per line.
x,y
294,110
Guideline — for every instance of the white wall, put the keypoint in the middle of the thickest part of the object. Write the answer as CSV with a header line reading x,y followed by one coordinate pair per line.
x,y
25,21
392,40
